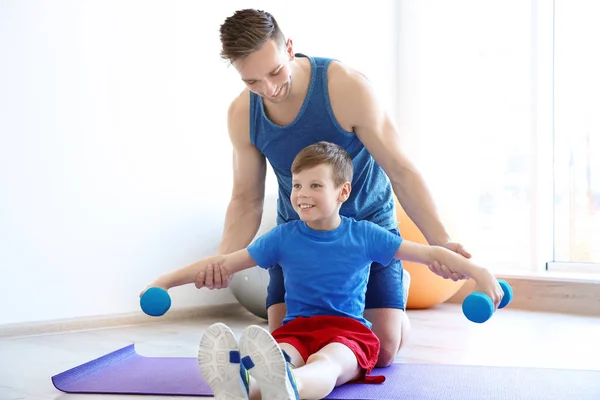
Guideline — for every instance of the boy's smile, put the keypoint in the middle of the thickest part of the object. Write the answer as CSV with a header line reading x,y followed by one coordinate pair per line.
x,y
316,198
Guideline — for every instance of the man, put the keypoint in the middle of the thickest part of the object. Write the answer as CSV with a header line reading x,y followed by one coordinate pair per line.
x,y
291,101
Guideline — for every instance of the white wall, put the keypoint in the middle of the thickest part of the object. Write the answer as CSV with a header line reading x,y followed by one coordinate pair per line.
x,y
107,109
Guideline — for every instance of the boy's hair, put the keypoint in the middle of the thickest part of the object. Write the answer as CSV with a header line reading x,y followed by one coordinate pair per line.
x,y
325,153
247,31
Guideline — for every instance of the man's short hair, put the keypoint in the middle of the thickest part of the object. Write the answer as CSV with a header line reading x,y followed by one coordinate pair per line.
x,y
247,31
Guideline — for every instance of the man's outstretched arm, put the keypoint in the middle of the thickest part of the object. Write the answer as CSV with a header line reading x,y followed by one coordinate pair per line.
x,y
358,103
244,212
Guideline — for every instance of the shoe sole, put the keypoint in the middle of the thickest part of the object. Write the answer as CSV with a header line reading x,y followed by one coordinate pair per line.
x,y
222,376
270,367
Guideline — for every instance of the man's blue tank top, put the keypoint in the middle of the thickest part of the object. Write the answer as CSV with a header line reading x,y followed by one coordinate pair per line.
x,y
371,197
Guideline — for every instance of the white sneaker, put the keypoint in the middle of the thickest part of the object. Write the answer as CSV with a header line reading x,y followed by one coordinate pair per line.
x,y
219,361
268,364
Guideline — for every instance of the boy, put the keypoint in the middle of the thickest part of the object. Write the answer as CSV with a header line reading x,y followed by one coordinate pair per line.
x,y
325,258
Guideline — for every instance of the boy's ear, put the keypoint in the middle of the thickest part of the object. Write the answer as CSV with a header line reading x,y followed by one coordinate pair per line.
x,y
345,192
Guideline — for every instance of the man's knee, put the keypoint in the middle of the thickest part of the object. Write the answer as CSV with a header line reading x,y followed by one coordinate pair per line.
x,y
389,348
275,298
275,316
276,287
386,357
391,328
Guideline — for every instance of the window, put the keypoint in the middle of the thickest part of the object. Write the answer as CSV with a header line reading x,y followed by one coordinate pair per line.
x,y
577,134
465,111
499,108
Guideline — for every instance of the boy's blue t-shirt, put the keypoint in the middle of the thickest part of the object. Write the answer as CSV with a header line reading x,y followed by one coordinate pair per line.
x,y
325,272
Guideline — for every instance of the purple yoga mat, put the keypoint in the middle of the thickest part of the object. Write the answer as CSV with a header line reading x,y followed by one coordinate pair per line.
x,y
126,372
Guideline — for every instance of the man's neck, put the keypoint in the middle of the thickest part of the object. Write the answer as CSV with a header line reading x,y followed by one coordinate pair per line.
x,y
298,76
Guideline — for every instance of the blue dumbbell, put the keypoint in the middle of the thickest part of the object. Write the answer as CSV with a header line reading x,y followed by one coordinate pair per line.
x,y
155,301
478,307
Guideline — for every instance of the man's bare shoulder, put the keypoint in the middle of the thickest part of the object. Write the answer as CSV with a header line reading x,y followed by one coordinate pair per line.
x,y
350,93
240,105
342,77
238,117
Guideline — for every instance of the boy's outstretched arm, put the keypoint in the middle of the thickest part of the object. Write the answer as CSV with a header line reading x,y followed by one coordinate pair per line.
x,y
197,271
431,255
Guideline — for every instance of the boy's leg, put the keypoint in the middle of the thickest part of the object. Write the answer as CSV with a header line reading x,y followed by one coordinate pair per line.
x,y
275,298
333,365
219,360
295,356
265,361
385,304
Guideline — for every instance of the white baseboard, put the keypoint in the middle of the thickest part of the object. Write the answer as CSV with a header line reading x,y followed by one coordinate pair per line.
x,y
548,292
111,321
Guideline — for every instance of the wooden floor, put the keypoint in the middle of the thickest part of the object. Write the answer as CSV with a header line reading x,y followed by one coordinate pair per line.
x,y
440,335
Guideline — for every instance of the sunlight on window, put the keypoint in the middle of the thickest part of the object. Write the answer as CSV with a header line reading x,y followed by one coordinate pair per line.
x,y
468,104
577,132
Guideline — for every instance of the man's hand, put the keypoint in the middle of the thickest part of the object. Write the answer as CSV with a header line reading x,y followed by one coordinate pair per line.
x,y
213,277
457,248
443,270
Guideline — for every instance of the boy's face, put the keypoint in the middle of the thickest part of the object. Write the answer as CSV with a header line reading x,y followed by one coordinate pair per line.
x,y
315,196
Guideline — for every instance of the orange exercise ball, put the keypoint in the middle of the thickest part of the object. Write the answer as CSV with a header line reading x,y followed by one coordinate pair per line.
x,y
426,288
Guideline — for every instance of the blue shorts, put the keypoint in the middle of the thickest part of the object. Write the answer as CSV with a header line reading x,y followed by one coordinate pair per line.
x,y
384,289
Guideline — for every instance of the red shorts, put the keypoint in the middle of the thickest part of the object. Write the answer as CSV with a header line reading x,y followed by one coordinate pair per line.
x,y
310,334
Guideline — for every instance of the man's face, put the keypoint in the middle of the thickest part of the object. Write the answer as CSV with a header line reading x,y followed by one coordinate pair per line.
x,y
266,72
